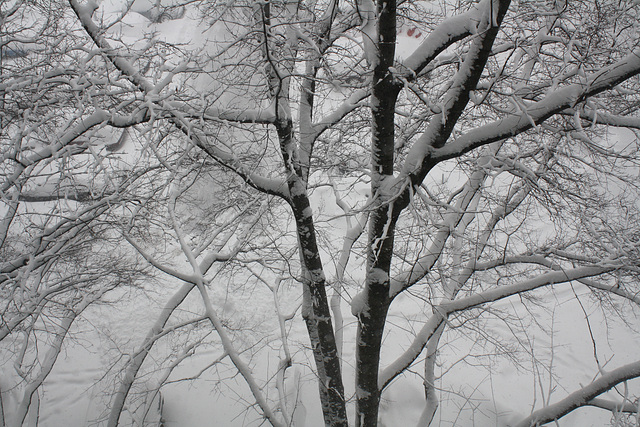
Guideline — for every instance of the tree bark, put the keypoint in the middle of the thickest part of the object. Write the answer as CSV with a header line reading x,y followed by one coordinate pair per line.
x,y
317,314
373,312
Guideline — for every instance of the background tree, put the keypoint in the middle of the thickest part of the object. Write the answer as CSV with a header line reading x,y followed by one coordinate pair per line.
x,y
491,154
59,251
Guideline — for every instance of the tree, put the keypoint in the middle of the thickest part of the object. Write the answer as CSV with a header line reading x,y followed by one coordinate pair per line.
x,y
513,104
59,253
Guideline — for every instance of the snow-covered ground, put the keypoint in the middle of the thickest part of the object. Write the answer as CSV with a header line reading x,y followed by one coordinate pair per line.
x,y
75,394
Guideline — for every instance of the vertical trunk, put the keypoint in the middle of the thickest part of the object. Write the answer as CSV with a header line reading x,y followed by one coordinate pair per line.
x,y
295,158
317,315
372,316
370,331
320,330
387,208
373,312
318,320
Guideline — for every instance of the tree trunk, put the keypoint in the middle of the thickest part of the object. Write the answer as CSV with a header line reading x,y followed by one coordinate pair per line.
x,y
317,315
375,298
323,344
370,331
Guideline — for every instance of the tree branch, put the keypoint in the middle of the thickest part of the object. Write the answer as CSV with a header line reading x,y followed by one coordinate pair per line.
x,y
537,112
582,397
229,160
441,311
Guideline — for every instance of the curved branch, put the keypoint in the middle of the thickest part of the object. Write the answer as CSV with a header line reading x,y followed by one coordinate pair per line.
x,y
441,311
629,407
420,157
135,363
423,265
541,260
582,397
448,32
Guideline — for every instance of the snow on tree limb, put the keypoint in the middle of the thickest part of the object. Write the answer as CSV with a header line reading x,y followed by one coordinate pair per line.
x,y
582,397
612,406
84,13
441,125
545,279
66,142
553,103
447,33
227,343
356,100
541,260
260,116
423,265
594,116
442,310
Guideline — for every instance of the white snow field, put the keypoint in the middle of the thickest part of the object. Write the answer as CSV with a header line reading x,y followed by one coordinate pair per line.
x,y
501,393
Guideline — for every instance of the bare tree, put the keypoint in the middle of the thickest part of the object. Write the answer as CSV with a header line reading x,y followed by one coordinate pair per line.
x,y
500,157
59,251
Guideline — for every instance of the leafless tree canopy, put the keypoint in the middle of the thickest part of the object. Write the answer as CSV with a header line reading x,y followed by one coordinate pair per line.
x,y
332,163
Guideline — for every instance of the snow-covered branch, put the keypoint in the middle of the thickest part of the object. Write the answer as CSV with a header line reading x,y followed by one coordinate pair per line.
x,y
84,13
52,354
423,265
65,143
264,116
227,343
448,32
544,279
355,100
419,160
537,112
441,311
582,397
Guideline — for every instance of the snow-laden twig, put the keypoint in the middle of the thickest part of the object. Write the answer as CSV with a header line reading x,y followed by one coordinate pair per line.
x,y
158,329
51,356
178,118
286,360
553,103
351,236
211,314
423,265
441,311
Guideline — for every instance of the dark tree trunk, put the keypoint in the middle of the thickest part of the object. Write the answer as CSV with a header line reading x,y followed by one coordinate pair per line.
x,y
375,304
316,313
